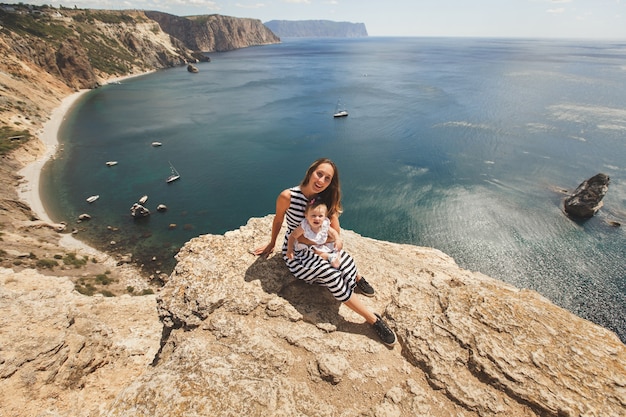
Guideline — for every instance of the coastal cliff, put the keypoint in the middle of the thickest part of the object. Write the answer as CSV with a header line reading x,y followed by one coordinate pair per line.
x,y
217,33
238,335
50,52
233,334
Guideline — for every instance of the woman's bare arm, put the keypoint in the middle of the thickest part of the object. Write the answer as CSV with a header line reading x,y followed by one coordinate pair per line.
x,y
282,204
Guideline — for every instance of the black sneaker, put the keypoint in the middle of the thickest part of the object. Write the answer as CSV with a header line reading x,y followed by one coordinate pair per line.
x,y
383,331
365,288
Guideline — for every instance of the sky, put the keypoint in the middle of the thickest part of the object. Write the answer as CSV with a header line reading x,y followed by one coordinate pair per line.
x,y
587,19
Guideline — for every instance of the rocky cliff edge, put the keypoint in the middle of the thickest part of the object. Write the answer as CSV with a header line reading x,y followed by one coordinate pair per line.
x,y
242,337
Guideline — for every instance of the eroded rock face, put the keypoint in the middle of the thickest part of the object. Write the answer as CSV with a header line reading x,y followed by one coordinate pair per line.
x,y
586,200
65,354
243,337
214,33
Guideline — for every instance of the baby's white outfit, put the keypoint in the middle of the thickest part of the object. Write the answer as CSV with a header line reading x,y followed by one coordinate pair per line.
x,y
318,238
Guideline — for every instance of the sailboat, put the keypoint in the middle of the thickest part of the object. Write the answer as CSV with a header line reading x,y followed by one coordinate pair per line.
x,y
340,111
174,175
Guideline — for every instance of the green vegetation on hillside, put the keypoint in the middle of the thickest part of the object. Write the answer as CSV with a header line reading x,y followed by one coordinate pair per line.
x,y
108,17
75,45
105,54
205,18
39,25
11,139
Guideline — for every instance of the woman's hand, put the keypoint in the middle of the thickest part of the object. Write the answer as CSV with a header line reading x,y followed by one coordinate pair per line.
x,y
263,250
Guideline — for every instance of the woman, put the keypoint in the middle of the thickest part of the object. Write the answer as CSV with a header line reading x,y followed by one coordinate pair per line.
x,y
322,182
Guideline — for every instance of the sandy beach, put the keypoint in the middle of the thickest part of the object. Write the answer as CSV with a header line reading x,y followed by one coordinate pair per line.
x,y
28,191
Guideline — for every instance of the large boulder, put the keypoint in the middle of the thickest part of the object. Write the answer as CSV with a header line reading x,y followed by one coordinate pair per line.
x,y
138,211
586,200
241,336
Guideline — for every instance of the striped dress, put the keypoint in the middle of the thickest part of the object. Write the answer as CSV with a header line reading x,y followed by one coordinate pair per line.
x,y
311,268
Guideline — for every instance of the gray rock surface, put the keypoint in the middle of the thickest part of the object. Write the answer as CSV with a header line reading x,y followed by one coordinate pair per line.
x,y
65,354
242,337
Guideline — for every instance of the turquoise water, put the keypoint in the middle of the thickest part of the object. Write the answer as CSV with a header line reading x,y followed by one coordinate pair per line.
x,y
457,144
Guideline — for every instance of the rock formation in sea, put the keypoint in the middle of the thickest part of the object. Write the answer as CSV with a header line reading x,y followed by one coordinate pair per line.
x,y
586,200
316,29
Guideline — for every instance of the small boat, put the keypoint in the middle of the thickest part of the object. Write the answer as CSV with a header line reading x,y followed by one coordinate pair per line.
x,y
143,200
111,163
340,111
174,175
92,198
155,144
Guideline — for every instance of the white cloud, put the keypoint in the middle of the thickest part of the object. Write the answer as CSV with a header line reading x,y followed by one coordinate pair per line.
x,y
250,6
207,3
298,1
556,11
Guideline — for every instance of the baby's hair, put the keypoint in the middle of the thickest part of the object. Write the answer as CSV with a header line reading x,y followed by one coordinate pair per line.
x,y
314,203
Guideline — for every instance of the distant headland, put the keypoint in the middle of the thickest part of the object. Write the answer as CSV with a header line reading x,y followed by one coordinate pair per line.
x,y
316,29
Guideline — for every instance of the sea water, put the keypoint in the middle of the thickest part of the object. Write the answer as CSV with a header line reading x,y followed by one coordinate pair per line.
x,y
464,145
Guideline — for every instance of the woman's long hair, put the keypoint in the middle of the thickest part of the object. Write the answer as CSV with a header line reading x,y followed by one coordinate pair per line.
x,y
331,196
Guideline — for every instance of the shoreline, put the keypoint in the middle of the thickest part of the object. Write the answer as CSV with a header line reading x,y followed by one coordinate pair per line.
x,y
28,191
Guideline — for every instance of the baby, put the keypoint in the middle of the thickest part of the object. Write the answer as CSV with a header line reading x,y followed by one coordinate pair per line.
x,y
315,233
